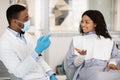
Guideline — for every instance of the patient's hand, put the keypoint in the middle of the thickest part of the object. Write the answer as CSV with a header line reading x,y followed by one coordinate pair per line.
x,y
112,66
82,52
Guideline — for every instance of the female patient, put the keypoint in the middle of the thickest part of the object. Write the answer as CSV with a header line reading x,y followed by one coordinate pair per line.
x,y
93,53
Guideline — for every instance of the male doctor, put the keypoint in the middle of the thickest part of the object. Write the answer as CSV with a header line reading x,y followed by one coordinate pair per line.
x,y
17,50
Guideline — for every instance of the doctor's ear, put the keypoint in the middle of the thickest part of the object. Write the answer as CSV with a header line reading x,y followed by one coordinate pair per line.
x,y
14,21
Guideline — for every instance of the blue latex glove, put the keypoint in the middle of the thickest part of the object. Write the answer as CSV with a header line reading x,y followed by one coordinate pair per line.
x,y
42,44
53,77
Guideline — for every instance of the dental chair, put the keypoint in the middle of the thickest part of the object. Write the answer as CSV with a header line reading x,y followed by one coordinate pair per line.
x,y
69,71
13,77
4,72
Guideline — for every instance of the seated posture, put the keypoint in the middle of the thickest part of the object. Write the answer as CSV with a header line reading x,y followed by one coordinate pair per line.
x,y
93,55
20,56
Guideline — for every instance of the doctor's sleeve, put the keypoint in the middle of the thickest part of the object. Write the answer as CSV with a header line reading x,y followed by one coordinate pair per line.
x,y
13,63
45,66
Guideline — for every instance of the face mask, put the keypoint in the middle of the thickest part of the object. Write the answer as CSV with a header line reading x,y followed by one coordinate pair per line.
x,y
26,26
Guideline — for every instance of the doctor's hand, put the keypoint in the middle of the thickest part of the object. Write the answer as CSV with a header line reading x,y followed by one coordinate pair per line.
x,y
81,52
42,44
53,77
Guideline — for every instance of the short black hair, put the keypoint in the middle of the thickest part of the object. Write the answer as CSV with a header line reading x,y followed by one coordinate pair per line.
x,y
98,18
13,12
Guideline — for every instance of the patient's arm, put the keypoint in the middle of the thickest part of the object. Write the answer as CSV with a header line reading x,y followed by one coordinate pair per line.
x,y
113,67
114,60
79,59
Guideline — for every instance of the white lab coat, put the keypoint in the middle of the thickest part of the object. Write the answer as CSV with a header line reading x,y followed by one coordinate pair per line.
x,y
16,56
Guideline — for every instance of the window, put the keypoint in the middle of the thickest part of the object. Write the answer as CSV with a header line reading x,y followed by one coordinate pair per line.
x,y
65,15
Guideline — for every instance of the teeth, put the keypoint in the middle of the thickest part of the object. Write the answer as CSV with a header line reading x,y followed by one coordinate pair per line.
x,y
84,28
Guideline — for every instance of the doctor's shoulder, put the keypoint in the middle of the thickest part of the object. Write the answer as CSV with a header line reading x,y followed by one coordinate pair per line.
x,y
5,42
5,36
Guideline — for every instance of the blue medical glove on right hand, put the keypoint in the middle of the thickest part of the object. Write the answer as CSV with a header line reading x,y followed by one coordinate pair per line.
x,y
42,44
53,77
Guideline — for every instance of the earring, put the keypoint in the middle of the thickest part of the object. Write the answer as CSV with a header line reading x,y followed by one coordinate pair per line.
x,y
95,25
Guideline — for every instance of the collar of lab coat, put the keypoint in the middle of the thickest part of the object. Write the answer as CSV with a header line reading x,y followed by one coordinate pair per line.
x,y
17,35
89,33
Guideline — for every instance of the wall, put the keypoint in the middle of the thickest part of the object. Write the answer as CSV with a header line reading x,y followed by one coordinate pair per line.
x,y
3,21
103,5
117,16
58,49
